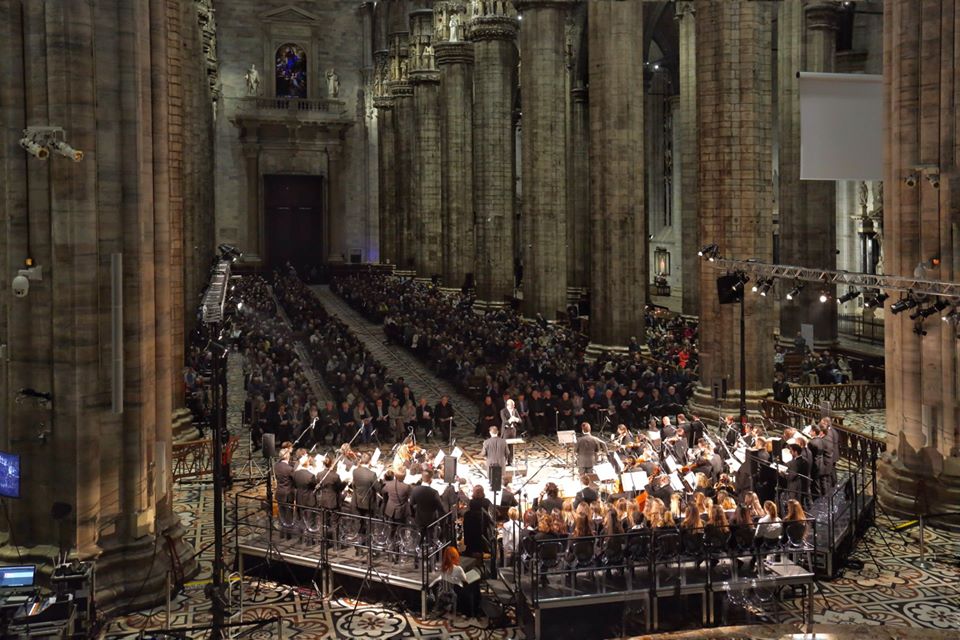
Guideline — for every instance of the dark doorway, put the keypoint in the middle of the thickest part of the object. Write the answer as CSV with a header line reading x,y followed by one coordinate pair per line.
x,y
293,213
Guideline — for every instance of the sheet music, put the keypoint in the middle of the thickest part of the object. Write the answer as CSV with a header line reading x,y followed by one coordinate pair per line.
x,y
412,478
438,459
634,480
515,441
653,435
671,463
691,479
605,472
566,437
616,456
740,455
456,453
375,457
472,576
734,465
675,482
786,456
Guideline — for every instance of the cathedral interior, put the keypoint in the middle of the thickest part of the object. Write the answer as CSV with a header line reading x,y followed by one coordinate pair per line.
x,y
232,228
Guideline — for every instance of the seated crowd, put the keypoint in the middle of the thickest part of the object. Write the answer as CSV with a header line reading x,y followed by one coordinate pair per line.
x,y
542,365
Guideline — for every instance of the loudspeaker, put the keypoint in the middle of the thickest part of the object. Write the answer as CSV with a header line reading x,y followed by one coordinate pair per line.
x,y
449,469
723,387
716,392
496,478
269,445
727,290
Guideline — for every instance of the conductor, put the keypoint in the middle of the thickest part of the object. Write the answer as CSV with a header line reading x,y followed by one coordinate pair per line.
x,y
494,451
588,448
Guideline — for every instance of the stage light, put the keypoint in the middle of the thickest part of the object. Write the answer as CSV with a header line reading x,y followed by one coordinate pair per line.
x,y
824,296
849,295
903,304
765,286
742,279
793,293
950,316
876,301
710,252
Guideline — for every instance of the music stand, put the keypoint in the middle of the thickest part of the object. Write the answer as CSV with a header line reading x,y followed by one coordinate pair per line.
x,y
566,438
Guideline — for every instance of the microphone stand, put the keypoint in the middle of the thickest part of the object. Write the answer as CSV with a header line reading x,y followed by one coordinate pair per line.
x,y
304,432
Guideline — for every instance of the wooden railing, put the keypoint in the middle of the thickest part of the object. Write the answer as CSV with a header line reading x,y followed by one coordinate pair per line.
x,y
195,458
855,447
857,396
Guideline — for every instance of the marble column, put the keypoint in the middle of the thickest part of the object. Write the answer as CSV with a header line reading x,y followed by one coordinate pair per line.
x,y
806,33
618,276
404,124
920,472
735,205
493,33
455,62
686,124
544,143
251,162
426,144
386,160
578,198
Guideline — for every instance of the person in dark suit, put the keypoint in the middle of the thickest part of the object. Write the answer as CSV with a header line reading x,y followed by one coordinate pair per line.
x,y
397,495
366,487
478,526
427,506
424,415
797,483
694,431
381,420
818,469
588,449
510,419
329,486
494,451
489,416
348,424
588,493
283,471
443,414
551,499
306,483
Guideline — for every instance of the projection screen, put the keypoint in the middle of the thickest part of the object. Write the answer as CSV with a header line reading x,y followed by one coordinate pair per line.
x,y
841,126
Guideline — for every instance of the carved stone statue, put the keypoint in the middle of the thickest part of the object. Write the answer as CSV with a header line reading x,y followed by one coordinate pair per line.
x,y
403,69
862,197
253,81
455,27
333,84
426,58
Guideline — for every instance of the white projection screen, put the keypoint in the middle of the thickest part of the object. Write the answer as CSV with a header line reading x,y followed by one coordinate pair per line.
x,y
841,126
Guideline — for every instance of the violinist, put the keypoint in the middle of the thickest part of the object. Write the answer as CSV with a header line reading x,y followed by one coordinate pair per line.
x,y
623,437
676,446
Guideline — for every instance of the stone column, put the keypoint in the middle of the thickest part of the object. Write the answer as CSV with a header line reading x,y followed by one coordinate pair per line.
x,y
386,160
426,145
578,225
493,33
251,158
920,472
618,288
806,33
735,205
404,125
687,154
455,62
544,170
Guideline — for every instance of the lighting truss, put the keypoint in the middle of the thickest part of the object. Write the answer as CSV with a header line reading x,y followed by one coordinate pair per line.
x,y
215,296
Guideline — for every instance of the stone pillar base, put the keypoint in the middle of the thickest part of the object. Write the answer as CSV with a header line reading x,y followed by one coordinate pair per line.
x,y
595,350
703,404
920,486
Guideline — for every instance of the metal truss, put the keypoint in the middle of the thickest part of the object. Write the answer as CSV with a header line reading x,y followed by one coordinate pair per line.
x,y
916,286
215,296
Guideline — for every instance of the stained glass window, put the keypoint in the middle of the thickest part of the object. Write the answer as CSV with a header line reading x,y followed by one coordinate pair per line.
x,y
291,72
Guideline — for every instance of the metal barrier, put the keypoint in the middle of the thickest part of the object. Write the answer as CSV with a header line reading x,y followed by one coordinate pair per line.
x,y
337,542
651,564
860,329
923,563
855,396
195,458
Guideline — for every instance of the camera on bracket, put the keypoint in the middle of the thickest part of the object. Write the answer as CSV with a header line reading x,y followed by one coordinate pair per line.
x,y
21,281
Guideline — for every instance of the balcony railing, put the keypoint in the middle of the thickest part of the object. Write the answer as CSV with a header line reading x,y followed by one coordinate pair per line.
x,y
322,106
857,396
861,329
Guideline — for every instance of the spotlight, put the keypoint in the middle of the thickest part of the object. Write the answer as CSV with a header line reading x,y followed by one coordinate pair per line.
x,y
911,179
950,316
849,295
793,293
710,252
903,304
66,150
742,279
876,301
934,180
824,296
765,286
229,252
37,151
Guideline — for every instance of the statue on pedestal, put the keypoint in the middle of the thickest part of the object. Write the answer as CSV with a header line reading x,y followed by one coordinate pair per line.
x,y
333,84
253,81
455,27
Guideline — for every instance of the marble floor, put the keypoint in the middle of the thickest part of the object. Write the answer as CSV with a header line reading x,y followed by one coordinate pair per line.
x,y
894,595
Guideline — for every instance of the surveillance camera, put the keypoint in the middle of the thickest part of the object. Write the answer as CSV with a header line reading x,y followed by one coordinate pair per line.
x,y
21,286
911,180
66,150
37,151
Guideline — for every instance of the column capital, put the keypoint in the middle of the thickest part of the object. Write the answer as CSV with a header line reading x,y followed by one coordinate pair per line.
x,y
400,89
822,15
453,53
383,102
684,8
493,27
424,76
580,95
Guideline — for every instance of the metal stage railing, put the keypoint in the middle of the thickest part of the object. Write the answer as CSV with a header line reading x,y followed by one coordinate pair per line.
x,y
330,542
650,565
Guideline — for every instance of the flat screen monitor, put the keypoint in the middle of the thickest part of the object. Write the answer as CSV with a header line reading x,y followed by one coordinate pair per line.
x,y
22,576
9,475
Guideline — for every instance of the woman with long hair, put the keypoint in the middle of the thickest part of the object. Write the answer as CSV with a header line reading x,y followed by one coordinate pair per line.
x,y
468,594
717,518
691,518
752,502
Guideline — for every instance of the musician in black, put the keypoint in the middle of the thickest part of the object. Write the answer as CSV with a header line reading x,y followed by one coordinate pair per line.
x,y
283,471
443,414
